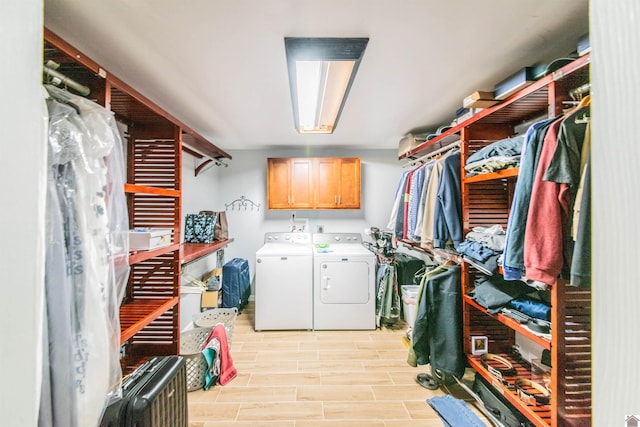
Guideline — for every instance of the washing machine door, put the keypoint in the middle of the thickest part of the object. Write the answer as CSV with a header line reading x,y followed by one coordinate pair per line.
x,y
344,282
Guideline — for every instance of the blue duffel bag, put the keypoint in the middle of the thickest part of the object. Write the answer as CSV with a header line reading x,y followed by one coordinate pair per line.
x,y
236,283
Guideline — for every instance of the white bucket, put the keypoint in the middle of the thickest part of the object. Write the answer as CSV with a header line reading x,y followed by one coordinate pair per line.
x,y
409,302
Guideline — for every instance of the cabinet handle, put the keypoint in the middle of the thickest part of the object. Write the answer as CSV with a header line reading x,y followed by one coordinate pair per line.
x,y
335,199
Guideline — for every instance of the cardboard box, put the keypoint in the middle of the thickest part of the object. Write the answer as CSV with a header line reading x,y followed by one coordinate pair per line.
x,y
209,299
479,99
519,80
149,238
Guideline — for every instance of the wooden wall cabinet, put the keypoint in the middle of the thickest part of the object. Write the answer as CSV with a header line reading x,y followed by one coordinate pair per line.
x,y
338,183
313,183
290,183
149,313
486,200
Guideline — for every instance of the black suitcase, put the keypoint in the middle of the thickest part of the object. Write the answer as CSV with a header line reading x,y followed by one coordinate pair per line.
x,y
498,405
154,395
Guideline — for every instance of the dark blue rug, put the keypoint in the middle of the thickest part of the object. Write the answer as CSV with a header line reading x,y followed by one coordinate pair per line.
x,y
454,412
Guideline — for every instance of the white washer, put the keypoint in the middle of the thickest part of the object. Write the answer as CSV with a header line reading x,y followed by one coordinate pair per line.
x,y
344,282
284,282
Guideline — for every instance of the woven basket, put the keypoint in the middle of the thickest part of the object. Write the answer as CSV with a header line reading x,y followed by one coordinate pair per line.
x,y
210,318
191,349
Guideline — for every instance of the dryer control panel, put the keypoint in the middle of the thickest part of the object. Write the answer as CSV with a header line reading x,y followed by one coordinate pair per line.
x,y
291,238
327,238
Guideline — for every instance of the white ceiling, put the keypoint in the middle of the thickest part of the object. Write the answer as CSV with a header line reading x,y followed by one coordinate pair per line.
x,y
220,66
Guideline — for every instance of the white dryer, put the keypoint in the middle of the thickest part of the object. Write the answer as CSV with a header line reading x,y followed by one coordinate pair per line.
x,y
344,282
284,282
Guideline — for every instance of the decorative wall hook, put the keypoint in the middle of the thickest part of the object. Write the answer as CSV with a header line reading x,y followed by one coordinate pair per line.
x,y
242,202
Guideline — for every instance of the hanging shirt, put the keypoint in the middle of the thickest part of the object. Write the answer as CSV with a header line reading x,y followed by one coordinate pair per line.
x,y
397,201
513,257
417,182
417,231
426,236
448,209
405,210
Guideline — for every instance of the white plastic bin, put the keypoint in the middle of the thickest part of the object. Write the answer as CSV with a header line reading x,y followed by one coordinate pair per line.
x,y
409,301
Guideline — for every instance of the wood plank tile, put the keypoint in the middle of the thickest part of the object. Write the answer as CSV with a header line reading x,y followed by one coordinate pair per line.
x,y
250,424
340,423
286,355
354,378
349,355
286,379
328,345
331,366
199,411
365,410
261,394
404,392
335,393
274,411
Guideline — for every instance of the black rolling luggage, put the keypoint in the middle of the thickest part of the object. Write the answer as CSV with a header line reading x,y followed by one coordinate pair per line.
x,y
154,395
498,405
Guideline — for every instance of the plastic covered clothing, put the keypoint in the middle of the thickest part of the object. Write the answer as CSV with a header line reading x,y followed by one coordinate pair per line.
x,y
86,259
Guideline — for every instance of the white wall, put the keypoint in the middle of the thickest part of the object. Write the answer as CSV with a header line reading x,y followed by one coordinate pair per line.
x,y
23,172
247,176
615,37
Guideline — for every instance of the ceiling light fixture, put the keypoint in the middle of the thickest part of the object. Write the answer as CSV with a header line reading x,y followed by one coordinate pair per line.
x,y
321,71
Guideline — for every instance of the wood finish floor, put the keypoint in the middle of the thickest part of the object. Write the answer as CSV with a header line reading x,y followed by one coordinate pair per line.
x,y
317,379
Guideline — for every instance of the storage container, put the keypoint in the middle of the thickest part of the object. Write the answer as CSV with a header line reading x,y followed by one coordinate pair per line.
x,y
409,302
149,238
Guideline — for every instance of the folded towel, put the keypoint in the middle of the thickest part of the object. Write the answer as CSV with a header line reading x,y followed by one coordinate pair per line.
x,y
212,356
227,370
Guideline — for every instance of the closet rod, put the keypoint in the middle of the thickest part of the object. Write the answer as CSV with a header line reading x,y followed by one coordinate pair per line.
x,y
50,69
580,90
432,154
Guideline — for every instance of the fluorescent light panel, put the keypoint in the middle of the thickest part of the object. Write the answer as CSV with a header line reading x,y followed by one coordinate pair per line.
x,y
321,71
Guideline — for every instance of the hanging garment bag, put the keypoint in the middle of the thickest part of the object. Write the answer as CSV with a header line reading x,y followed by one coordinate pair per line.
x,y
155,394
236,283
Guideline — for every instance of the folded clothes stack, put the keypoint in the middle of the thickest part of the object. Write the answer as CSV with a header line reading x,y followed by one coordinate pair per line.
x,y
482,248
502,154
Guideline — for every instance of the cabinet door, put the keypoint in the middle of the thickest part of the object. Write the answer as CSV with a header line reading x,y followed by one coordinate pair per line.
x,y
278,182
337,183
349,180
289,183
327,183
302,184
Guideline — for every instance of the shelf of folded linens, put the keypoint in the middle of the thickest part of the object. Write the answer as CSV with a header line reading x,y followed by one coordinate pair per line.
x,y
539,415
490,176
445,254
511,323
